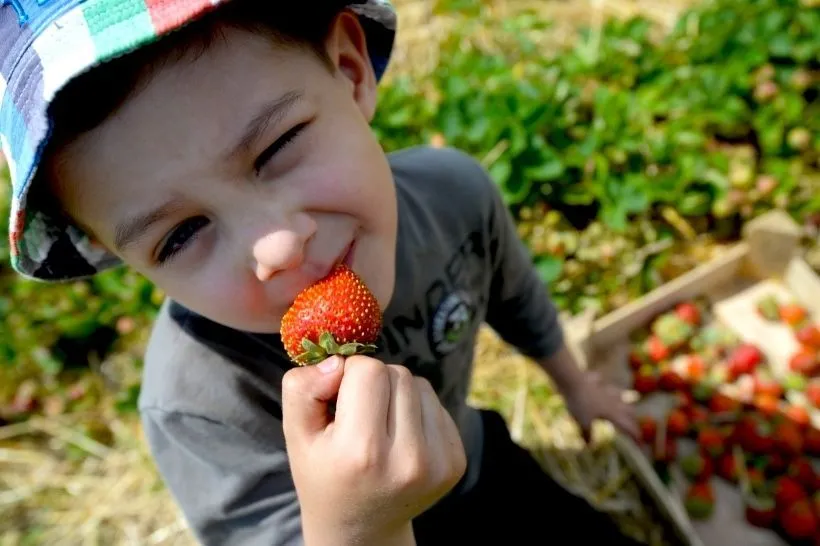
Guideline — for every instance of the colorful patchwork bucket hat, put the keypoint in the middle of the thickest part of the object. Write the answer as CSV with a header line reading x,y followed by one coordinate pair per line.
x,y
46,43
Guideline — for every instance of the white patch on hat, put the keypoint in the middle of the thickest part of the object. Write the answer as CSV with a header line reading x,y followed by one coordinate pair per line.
x,y
378,10
92,254
6,147
3,86
36,238
65,48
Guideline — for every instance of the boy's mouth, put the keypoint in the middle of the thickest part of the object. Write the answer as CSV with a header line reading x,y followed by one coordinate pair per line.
x,y
347,255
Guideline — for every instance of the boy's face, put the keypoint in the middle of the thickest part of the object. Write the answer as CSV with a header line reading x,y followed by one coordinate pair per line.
x,y
238,178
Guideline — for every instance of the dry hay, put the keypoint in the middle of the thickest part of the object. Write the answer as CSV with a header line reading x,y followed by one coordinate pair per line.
x,y
112,494
523,393
62,485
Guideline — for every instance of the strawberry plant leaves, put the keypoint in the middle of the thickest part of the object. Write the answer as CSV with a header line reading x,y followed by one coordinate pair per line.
x,y
549,268
695,204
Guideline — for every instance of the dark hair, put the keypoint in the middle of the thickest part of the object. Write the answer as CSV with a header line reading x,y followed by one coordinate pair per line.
x,y
89,99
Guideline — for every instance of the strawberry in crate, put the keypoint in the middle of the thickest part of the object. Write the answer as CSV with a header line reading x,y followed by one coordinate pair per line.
x,y
671,331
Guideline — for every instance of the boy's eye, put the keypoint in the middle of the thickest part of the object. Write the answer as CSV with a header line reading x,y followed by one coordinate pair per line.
x,y
180,237
277,146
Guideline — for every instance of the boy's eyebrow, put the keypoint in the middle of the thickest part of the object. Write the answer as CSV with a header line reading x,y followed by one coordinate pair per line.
x,y
271,113
131,230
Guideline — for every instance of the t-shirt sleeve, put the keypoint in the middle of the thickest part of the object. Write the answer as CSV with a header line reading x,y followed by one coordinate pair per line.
x,y
232,487
520,308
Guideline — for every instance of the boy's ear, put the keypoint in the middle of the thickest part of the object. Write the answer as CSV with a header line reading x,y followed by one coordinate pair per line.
x,y
347,49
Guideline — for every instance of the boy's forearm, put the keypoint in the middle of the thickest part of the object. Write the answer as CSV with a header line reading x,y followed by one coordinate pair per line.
x,y
563,368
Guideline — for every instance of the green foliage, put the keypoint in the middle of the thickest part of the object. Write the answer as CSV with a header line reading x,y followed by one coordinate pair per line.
x,y
623,125
602,150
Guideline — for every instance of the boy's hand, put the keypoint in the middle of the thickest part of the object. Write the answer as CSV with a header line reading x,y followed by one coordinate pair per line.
x,y
390,452
590,398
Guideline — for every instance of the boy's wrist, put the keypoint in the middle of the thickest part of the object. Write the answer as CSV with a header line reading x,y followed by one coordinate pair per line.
x,y
563,369
316,535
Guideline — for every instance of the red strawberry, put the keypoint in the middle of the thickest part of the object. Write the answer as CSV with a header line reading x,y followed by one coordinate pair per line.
x,y
700,500
766,383
671,381
337,315
799,521
793,314
697,467
804,362
649,429
695,368
809,336
684,401
698,418
797,415
813,392
803,473
754,434
636,359
811,442
711,441
689,313
645,380
756,478
776,464
760,510
787,438
677,423
817,502
726,467
656,349
766,404
722,404
787,491
744,359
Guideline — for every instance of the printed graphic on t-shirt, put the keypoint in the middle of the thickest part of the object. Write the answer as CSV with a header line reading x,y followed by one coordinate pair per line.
x,y
449,316
450,321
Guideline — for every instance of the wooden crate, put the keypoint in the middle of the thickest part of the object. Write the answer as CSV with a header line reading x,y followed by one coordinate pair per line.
x,y
767,260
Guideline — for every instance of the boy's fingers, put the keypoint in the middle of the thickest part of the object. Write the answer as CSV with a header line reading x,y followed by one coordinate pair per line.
x,y
452,437
429,413
306,393
364,398
404,417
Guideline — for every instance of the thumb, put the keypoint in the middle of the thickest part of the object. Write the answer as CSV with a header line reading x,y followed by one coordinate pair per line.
x,y
306,393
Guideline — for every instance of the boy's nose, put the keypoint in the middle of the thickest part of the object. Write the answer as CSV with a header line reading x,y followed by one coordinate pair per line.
x,y
282,249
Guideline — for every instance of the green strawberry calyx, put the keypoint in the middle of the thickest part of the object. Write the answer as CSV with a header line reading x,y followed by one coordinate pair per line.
x,y
327,346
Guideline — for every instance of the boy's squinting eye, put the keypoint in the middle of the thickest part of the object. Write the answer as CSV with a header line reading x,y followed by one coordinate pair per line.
x,y
179,237
277,146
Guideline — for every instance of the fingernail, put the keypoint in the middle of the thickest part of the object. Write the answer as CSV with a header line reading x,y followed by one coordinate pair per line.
x,y
329,365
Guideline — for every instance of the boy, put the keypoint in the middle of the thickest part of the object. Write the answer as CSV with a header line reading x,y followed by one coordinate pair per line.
x,y
223,150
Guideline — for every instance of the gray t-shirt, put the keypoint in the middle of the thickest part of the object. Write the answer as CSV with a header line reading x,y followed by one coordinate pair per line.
x,y
211,395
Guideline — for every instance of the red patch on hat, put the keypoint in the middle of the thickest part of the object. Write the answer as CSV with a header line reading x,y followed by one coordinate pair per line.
x,y
17,232
170,14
